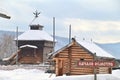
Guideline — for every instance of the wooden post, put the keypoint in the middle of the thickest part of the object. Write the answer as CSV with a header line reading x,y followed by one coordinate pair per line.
x,y
69,33
17,45
53,33
95,72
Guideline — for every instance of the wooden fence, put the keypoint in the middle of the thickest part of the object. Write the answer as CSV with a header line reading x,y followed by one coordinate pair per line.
x,y
12,67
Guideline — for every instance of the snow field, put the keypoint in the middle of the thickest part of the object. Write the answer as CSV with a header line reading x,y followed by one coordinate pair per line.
x,y
35,74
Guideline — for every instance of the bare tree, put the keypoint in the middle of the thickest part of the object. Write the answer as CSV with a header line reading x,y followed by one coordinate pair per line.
x,y
7,45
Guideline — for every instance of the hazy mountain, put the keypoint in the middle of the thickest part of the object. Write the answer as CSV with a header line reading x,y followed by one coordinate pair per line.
x,y
112,48
61,41
9,32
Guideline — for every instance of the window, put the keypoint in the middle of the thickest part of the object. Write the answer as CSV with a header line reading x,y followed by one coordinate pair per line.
x,y
81,59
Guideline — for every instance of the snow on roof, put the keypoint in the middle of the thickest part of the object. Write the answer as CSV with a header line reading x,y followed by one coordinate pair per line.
x,y
35,35
93,48
28,46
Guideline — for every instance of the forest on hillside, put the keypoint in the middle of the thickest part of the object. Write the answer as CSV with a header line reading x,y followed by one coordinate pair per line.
x,y
7,45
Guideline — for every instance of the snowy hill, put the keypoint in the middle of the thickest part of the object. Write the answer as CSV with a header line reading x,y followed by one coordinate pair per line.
x,y
112,48
61,41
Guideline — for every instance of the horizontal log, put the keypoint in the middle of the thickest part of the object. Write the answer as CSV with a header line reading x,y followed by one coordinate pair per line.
x,y
81,57
63,55
77,49
80,73
64,51
60,58
81,70
72,68
80,53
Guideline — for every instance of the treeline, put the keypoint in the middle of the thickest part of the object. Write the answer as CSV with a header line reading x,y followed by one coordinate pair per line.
x,y
7,45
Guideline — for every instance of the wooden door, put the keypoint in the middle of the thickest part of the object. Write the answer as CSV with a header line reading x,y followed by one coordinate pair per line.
x,y
59,67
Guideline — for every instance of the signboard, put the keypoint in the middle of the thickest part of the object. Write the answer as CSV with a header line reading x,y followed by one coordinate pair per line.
x,y
96,63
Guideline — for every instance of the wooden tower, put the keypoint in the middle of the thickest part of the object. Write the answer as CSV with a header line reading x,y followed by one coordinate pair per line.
x,y
34,45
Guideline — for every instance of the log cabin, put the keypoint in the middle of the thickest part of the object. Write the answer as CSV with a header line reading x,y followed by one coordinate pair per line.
x,y
66,59
34,46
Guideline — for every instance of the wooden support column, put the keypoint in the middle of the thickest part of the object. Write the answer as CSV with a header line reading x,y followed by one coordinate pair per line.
x,y
69,55
95,69
57,67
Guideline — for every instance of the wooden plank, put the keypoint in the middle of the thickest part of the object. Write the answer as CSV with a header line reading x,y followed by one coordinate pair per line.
x,y
103,70
63,56
82,57
76,47
63,53
80,73
80,52
76,70
60,58
82,68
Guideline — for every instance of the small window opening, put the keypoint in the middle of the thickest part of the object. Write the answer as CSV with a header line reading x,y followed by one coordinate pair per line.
x,y
82,59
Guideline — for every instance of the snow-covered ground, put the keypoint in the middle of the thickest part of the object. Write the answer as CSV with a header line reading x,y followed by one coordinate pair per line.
x,y
116,73
34,74
24,74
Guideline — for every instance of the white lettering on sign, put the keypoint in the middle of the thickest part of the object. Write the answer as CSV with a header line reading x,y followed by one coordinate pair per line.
x,y
96,63
104,64
85,63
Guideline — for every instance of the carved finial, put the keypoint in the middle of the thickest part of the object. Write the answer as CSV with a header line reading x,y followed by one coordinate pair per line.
x,y
73,39
36,13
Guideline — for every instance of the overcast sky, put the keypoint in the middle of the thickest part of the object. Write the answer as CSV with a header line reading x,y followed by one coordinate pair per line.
x,y
98,20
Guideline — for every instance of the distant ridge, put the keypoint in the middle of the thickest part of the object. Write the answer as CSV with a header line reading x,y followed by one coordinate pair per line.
x,y
112,48
2,32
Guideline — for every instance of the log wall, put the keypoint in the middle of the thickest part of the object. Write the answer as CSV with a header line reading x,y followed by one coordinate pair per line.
x,y
69,58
